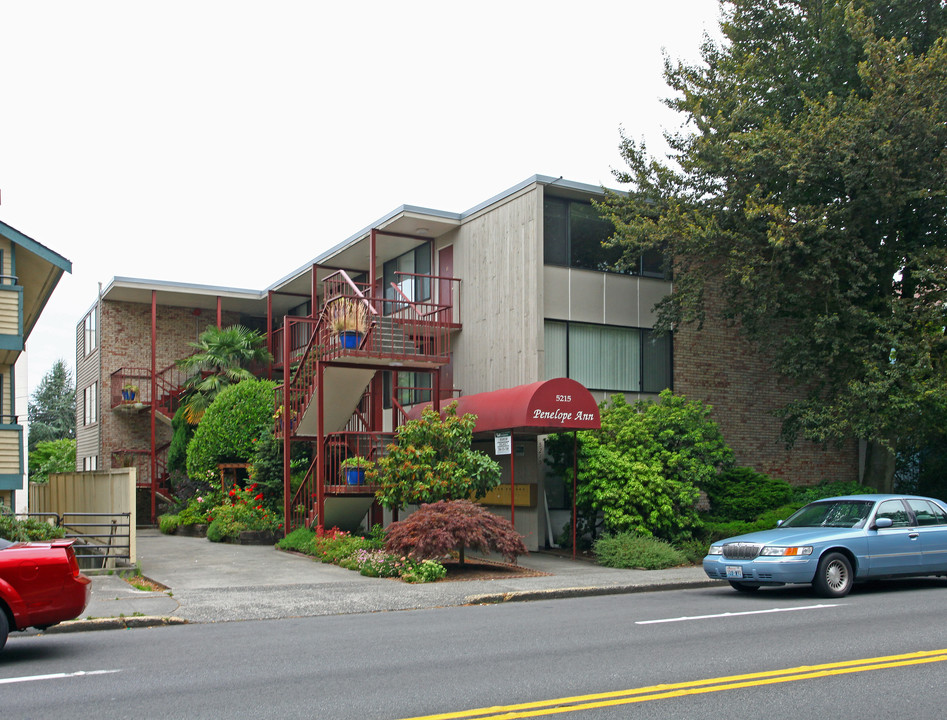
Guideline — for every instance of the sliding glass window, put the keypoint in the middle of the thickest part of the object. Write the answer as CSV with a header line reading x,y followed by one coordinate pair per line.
x,y
607,357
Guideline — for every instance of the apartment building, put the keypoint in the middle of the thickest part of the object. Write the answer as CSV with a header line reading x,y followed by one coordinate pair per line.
x,y
497,306
29,272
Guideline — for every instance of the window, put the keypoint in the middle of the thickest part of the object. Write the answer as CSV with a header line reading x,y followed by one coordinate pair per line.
x,y
573,233
90,463
90,400
606,357
403,271
893,509
90,340
413,388
927,513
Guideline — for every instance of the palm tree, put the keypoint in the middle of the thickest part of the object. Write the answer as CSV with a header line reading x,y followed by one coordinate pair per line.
x,y
222,358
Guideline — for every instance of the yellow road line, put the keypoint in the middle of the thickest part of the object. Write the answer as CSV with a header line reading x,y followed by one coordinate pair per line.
x,y
658,692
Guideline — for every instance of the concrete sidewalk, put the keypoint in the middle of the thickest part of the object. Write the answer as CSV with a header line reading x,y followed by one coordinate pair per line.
x,y
219,582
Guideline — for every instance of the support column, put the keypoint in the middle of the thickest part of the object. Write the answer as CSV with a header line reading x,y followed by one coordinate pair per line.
x,y
286,427
154,389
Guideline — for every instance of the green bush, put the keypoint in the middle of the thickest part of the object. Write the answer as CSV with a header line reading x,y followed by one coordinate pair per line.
x,y
28,529
299,540
431,459
741,493
719,529
241,510
425,571
216,532
230,427
825,489
641,471
198,508
167,524
628,550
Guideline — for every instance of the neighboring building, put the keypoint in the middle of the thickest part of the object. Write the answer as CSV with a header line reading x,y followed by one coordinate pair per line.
x,y
29,272
505,295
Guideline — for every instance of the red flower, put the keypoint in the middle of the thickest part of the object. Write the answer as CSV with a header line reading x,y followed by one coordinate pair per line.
x,y
232,493
259,497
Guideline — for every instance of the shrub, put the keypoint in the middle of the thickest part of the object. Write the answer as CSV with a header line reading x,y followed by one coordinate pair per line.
x,y
627,550
198,508
425,571
167,524
243,510
28,529
741,493
640,472
299,540
719,529
431,459
230,427
807,494
437,529
334,545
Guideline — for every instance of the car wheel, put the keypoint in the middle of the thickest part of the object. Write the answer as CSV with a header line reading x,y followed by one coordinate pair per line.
x,y
4,628
834,577
744,587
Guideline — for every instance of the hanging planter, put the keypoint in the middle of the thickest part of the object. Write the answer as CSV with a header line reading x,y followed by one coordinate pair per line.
x,y
129,392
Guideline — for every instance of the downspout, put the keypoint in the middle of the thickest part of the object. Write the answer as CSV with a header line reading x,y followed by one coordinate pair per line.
x,y
98,427
219,322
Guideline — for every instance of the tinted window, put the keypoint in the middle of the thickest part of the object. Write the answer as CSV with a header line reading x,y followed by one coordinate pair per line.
x,y
895,510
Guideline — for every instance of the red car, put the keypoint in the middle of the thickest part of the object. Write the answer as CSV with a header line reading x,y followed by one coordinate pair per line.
x,y
40,585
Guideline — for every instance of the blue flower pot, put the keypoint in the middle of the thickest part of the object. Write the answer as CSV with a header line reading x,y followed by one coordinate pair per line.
x,y
350,339
354,476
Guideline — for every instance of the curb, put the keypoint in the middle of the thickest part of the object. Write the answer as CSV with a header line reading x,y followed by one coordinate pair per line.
x,y
566,593
117,623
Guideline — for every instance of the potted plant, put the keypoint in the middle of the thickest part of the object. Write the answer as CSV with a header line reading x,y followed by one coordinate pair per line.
x,y
353,469
348,318
129,392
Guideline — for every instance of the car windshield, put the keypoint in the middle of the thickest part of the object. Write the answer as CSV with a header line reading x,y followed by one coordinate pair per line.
x,y
835,513
4,543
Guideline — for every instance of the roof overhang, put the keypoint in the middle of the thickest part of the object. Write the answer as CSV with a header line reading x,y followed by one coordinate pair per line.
x,y
539,408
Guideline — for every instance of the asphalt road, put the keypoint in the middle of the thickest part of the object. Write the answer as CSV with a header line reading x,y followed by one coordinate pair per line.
x,y
707,652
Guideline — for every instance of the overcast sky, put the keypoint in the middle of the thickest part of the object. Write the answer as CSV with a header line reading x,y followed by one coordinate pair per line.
x,y
176,140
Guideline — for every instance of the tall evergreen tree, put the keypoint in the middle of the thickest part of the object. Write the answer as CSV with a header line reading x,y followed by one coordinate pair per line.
x,y
52,407
809,188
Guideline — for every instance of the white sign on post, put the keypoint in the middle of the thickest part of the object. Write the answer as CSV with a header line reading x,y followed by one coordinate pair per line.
x,y
503,443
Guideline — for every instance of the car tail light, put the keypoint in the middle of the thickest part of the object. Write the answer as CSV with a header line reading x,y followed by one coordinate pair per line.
x,y
73,563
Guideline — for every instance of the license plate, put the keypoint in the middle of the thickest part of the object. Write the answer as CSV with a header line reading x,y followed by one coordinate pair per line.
x,y
734,571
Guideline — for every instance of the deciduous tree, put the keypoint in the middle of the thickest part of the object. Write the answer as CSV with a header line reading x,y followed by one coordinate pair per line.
x,y
808,190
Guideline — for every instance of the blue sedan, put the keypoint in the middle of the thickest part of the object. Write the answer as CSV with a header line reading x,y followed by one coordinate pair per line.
x,y
832,543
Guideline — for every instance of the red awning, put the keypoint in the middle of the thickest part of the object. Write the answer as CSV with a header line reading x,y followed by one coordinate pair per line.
x,y
536,409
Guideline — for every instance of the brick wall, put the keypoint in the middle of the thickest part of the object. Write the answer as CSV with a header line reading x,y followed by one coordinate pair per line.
x,y
717,366
125,342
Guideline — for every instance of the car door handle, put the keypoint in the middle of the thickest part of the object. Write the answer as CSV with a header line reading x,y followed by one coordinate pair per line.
x,y
913,536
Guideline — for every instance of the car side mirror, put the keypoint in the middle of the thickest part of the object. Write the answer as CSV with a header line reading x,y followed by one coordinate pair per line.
x,y
882,523
778,523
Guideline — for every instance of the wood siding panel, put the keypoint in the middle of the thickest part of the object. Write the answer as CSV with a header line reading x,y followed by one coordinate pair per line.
x,y
87,372
10,452
498,256
9,312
